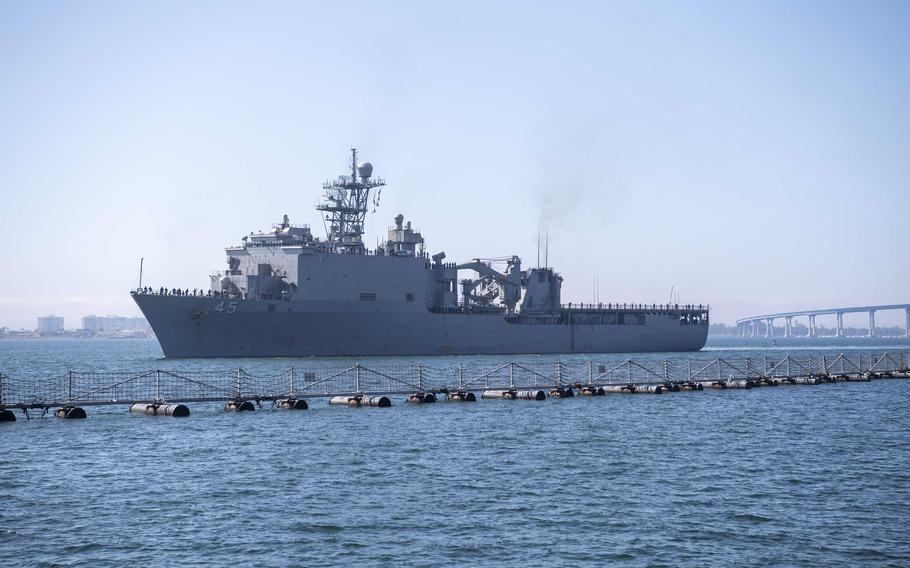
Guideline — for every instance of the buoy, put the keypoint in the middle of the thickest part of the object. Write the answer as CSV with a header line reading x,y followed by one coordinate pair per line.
x,y
562,392
531,395
461,396
422,398
501,394
291,404
864,378
622,389
591,391
239,406
154,409
361,400
73,412
7,415
653,389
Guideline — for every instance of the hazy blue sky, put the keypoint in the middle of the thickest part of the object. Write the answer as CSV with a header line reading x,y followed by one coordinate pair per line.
x,y
755,156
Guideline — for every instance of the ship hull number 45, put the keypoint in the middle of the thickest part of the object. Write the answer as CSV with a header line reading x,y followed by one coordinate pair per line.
x,y
226,308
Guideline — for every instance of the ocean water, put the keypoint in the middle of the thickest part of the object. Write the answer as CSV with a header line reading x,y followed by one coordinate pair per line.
x,y
789,476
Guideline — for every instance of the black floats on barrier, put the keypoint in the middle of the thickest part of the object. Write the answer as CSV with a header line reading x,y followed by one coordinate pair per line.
x,y
239,406
562,392
422,398
160,409
358,400
513,394
292,404
461,396
73,412
7,415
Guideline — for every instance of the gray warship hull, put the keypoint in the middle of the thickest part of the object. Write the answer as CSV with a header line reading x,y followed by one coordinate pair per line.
x,y
202,327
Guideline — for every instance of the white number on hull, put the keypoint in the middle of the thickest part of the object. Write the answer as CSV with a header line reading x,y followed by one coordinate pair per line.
x,y
231,308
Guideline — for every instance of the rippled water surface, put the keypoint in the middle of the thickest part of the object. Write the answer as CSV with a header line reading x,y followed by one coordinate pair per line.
x,y
797,475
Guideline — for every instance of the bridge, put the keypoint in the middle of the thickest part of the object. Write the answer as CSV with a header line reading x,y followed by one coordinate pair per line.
x,y
764,325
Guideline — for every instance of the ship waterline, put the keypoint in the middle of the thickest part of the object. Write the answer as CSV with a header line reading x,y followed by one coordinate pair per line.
x,y
288,293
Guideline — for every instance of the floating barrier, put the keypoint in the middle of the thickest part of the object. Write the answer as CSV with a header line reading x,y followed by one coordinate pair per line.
x,y
358,400
71,412
157,409
461,396
68,393
239,406
562,392
291,404
422,398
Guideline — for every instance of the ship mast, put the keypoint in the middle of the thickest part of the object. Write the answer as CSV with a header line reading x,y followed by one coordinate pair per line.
x,y
345,205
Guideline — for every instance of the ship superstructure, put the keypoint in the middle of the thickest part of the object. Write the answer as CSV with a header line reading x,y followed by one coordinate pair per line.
x,y
285,292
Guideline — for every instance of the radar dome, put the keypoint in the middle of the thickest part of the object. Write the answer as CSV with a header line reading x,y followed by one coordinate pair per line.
x,y
364,169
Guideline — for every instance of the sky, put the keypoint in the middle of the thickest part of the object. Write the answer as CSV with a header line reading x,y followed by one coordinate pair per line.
x,y
754,156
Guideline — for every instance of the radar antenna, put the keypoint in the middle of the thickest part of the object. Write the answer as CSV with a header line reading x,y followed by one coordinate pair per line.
x,y
345,205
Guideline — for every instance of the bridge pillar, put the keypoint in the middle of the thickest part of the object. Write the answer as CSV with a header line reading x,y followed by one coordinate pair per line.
x,y
754,328
788,328
811,326
769,328
907,322
871,323
840,324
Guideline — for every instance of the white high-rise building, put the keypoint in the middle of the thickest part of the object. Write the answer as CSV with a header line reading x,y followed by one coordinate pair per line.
x,y
50,325
115,324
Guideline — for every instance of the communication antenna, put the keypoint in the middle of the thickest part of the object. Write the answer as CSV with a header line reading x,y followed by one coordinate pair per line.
x,y
141,261
538,246
546,254
671,295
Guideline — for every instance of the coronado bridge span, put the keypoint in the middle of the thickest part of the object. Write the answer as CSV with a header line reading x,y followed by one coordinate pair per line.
x,y
764,324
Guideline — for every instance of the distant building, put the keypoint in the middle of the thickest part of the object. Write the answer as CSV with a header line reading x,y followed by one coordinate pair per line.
x,y
96,325
50,325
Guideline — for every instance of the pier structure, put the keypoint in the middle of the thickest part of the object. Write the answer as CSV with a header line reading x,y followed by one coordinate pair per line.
x,y
167,392
764,325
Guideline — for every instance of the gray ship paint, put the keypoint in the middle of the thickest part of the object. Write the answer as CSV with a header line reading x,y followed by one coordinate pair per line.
x,y
287,293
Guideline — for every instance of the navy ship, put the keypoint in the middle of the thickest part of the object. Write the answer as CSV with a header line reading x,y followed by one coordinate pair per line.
x,y
285,292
